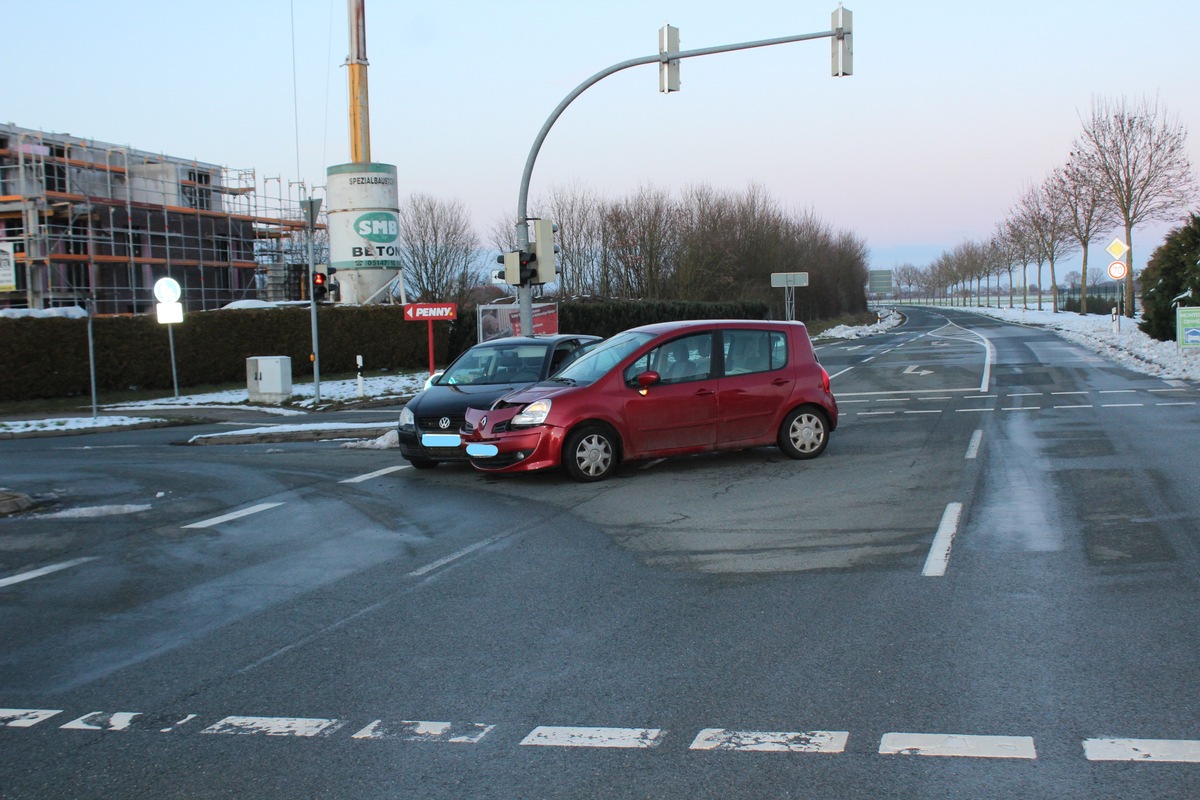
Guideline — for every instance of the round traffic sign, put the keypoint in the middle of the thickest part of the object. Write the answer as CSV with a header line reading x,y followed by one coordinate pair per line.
x,y
1117,270
167,290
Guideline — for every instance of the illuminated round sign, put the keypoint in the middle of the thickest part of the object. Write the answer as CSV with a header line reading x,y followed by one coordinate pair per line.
x,y
1117,270
167,290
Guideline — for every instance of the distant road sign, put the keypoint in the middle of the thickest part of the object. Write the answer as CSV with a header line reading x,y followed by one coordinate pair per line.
x,y
1118,270
1116,248
784,279
880,281
421,312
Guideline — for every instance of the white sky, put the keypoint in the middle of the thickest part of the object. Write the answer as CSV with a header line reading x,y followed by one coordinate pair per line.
x,y
953,108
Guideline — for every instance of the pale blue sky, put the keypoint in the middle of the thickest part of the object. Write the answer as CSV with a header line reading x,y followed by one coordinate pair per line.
x,y
953,108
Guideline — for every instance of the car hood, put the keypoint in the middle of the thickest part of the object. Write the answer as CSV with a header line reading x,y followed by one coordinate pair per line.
x,y
442,400
537,391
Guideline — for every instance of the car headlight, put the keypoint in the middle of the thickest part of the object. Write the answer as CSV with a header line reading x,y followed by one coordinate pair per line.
x,y
533,414
407,420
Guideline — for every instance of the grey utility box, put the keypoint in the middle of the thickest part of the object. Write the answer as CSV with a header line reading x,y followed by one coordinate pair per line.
x,y
269,379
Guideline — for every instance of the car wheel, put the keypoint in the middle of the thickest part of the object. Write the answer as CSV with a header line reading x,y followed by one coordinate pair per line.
x,y
804,433
590,453
422,463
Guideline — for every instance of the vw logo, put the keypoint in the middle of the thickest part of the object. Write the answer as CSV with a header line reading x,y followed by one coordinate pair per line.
x,y
444,423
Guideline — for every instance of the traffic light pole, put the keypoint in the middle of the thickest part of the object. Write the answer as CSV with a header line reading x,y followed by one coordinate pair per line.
x,y
312,206
525,291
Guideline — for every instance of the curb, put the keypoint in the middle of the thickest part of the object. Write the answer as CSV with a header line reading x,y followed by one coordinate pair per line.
x,y
316,435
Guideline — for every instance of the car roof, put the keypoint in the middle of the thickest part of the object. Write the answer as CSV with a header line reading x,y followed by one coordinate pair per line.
x,y
548,338
658,328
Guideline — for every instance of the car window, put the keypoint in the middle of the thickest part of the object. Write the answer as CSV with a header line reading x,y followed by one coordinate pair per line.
x,y
594,364
747,351
496,364
680,360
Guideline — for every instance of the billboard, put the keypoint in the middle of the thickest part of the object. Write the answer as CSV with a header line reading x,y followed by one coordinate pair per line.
x,y
496,321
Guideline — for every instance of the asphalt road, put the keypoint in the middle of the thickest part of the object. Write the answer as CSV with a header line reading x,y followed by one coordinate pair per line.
x,y
986,587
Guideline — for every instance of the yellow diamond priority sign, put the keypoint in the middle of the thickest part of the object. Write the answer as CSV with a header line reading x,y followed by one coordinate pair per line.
x,y
1117,248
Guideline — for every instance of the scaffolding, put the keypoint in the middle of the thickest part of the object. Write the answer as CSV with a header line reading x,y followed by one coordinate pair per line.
x,y
93,222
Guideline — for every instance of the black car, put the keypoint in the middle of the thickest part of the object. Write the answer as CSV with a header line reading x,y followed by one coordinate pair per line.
x,y
430,422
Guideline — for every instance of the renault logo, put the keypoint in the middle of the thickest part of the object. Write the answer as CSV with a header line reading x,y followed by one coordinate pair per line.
x,y
444,423
483,423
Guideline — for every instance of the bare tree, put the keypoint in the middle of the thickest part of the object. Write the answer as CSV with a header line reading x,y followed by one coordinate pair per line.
x,y
1043,211
1138,155
1087,211
439,249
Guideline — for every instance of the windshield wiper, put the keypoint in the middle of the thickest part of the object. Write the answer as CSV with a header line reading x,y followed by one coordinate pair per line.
x,y
570,381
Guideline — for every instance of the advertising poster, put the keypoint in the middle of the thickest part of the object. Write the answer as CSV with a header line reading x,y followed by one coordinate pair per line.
x,y
497,321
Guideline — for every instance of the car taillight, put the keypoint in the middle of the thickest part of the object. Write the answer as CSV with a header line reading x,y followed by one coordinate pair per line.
x,y
824,380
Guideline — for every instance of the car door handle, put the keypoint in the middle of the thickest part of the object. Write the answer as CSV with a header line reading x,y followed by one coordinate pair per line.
x,y
780,382
704,392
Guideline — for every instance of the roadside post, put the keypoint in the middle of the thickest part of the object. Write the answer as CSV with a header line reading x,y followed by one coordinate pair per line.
x,y
1117,270
361,391
312,207
430,312
170,311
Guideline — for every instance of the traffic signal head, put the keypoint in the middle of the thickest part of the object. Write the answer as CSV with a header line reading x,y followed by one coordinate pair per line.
x,y
519,267
320,289
543,248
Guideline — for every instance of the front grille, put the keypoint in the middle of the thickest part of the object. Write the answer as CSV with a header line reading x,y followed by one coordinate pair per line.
x,y
434,424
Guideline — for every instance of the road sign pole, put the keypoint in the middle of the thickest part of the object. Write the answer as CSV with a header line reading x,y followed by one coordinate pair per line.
x,y
174,373
430,324
312,207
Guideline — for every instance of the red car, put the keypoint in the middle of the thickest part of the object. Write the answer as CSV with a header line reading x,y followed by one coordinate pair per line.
x,y
663,390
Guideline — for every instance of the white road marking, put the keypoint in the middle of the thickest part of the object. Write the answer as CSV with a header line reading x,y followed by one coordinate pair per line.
x,y
39,572
1077,405
419,731
1026,394
630,738
1065,393
441,562
1171,750
245,512
771,741
873,413
1021,408
377,473
843,372
926,411
1122,405
276,726
941,744
25,717
1176,404
1118,391
973,447
974,409
939,552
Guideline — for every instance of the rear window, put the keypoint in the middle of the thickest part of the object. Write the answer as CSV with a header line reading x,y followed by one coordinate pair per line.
x,y
748,351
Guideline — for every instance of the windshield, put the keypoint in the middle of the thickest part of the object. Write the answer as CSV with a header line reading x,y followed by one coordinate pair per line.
x,y
593,365
496,364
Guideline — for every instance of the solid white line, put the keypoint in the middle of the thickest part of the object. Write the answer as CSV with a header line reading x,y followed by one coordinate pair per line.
x,y
441,562
37,573
1174,750
939,552
276,726
633,738
245,512
377,473
771,741
973,447
941,744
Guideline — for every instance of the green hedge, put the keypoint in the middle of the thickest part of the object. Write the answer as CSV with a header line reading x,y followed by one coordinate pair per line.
x,y
48,357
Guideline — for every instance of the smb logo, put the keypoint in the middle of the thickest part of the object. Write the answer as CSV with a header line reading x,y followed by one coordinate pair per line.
x,y
378,226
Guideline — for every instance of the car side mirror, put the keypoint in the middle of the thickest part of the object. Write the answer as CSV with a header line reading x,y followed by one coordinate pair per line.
x,y
646,380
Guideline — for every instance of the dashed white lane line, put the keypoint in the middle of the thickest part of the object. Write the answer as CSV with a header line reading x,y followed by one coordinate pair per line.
x,y
276,726
245,512
420,731
970,746
973,447
47,570
939,552
1171,750
771,741
629,738
376,474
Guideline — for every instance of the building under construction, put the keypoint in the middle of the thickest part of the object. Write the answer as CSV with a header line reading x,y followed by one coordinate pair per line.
x,y
88,221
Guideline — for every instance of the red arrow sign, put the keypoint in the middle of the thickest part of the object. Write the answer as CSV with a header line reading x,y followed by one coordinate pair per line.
x,y
422,312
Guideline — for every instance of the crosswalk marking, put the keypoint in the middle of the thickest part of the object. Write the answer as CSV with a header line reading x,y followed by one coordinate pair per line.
x,y
276,726
418,731
940,744
1169,750
632,738
25,717
771,741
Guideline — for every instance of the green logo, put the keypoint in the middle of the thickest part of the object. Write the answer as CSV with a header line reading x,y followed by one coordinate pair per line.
x,y
378,226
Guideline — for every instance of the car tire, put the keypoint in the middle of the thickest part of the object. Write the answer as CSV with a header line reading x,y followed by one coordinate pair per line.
x,y
591,453
804,433
422,463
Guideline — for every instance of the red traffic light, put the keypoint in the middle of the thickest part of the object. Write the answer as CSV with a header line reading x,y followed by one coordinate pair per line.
x,y
318,279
